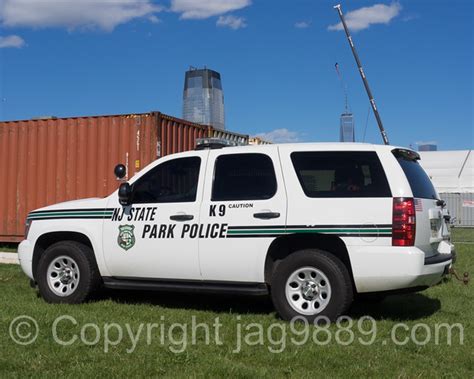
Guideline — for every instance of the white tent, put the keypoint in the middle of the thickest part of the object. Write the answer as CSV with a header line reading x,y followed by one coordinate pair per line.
x,y
450,171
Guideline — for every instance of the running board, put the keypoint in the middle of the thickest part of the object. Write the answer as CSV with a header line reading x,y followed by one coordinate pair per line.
x,y
195,286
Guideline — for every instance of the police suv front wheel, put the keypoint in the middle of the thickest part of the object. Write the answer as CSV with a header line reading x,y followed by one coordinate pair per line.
x,y
67,273
311,283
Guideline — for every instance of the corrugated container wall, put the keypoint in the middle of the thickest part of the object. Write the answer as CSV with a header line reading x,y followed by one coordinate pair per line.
x,y
43,162
258,141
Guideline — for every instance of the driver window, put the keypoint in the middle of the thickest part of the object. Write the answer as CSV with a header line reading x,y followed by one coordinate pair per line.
x,y
174,181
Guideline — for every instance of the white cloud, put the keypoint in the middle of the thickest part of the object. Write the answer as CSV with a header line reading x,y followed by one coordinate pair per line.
x,y
153,19
232,22
362,18
11,41
302,24
104,14
282,135
200,9
108,14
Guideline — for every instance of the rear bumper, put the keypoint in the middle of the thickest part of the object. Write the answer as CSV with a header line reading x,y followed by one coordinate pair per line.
x,y
390,268
439,258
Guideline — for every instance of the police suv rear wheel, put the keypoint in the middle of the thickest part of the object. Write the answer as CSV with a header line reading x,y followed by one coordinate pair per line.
x,y
311,283
67,273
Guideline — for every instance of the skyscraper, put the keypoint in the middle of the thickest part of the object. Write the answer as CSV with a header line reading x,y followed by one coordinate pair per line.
x,y
427,146
203,98
347,133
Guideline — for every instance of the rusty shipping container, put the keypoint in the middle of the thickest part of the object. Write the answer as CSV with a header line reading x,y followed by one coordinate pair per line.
x,y
47,161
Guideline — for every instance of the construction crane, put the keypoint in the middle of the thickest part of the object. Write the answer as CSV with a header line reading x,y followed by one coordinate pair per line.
x,y
362,75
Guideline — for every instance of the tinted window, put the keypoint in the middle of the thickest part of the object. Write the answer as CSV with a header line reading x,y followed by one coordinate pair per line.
x,y
244,177
173,181
341,174
420,183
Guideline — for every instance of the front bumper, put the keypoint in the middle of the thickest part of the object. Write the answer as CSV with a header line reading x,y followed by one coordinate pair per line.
x,y
25,256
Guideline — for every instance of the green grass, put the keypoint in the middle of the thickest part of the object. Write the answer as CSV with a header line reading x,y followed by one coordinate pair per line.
x,y
449,302
462,234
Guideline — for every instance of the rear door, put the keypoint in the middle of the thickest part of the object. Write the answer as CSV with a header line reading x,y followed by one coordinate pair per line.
x,y
243,210
338,192
431,227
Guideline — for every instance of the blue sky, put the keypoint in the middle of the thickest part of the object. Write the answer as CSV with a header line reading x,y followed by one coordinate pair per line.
x,y
73,58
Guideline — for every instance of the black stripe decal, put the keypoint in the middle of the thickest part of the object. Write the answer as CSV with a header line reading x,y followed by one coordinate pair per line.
x,y
359,226
365,226
286,234
254,235
69,217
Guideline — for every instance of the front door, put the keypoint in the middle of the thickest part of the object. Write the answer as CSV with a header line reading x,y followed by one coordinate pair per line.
x,y
145,239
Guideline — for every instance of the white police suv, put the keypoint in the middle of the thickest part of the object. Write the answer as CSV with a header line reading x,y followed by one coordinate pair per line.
x,y
312,224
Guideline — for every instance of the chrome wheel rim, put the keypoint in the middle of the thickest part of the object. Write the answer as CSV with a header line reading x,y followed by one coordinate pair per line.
x,y
308,290
63,276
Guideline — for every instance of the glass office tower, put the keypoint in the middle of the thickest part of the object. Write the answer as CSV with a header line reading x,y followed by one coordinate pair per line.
x,y
347,133
427,147
203,98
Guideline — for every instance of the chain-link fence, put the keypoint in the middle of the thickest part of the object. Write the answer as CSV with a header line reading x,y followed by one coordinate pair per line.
x,y
461,208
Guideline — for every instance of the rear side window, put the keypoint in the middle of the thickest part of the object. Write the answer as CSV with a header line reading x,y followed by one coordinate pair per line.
x,y
341,174
244,177
420,183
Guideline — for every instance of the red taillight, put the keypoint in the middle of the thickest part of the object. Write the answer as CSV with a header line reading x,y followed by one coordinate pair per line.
x,y
403,222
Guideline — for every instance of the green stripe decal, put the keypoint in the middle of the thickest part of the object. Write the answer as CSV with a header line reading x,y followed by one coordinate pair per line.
x,y
71,213
282,231
78,213
253,231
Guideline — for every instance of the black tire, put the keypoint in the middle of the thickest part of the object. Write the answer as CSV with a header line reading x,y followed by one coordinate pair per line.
x,y
340,285
82,257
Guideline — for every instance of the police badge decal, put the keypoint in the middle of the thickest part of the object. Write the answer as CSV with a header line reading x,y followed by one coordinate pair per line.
x,y
126,238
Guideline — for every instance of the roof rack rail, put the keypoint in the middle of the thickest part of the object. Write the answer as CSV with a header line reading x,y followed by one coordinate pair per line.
x,y
213,143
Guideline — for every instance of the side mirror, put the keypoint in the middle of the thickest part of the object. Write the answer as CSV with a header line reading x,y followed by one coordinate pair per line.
x,y
125,193
120,171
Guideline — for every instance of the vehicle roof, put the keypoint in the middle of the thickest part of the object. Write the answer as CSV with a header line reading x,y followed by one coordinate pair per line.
x,y
285,147
324,146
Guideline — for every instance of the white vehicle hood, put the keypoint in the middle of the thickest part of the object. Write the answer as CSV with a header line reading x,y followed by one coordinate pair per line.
x,y
93,202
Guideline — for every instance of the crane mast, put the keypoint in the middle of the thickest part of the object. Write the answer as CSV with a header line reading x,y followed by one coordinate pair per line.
x,y
362,75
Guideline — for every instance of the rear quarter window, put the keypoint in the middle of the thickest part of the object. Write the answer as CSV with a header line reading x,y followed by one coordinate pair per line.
x,y
340,174
420,183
